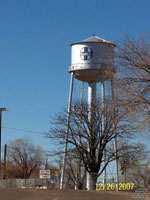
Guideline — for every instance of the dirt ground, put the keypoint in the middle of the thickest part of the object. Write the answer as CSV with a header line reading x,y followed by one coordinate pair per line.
x,y
51,194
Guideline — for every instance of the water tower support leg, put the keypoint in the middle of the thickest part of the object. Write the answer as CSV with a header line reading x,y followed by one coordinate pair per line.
x,y
103,125
67,130
91,102
78,172
115,139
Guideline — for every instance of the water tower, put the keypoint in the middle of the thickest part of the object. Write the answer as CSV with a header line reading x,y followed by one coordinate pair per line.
x,y
92,61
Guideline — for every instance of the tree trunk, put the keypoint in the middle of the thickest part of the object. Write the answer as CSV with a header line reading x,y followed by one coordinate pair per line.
x,y
92,181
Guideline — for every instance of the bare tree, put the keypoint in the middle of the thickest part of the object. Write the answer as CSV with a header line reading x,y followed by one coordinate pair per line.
x,y
133,77
23,158
137,170
91,133
74,175
135,165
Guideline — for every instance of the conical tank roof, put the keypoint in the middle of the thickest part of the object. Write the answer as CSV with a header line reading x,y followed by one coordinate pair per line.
x,y
93,39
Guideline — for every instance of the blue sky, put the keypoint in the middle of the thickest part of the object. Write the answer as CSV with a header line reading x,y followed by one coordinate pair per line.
x,y
35,54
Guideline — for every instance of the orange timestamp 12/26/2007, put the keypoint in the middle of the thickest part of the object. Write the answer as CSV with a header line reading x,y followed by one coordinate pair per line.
x,y
113,186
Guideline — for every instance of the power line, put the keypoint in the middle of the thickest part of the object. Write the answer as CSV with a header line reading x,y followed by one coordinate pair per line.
x,y
22,130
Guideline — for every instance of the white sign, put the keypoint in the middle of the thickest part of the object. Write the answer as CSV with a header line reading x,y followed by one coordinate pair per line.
x,y
45,174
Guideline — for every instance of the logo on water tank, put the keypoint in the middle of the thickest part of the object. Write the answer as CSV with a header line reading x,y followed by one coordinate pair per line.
x,y
86,53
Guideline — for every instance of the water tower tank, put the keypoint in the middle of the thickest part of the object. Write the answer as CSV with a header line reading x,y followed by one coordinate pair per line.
x,y
92,60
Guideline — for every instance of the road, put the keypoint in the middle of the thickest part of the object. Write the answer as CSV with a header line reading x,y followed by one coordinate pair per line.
x,y
51,194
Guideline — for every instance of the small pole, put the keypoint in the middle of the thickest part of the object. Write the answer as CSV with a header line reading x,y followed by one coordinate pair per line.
x,y
5,155
67,131
125,176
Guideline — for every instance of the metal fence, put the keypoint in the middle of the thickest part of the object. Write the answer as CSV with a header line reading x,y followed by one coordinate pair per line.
x,y
26,183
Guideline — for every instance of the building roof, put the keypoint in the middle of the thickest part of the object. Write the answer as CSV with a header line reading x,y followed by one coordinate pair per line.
x,y
93,39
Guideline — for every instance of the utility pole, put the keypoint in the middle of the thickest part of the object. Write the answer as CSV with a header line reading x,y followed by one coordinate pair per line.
x,y
5,155
1,109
